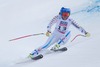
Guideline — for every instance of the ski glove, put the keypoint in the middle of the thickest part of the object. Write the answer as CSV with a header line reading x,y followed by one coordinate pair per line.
x,y
48,33
87,34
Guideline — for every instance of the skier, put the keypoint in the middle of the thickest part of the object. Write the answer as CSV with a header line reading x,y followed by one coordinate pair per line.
x,y
61,34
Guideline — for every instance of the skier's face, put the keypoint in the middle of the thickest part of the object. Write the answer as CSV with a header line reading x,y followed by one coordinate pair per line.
x,y
65,15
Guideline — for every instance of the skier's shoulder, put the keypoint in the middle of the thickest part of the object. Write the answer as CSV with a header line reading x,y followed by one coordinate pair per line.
x,y
70,19
73,22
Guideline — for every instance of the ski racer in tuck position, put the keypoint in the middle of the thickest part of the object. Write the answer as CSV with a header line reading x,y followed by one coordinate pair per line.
x,y
61,33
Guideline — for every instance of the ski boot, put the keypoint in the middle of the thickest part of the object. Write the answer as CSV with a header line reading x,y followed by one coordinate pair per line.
x,y
35,55
56,47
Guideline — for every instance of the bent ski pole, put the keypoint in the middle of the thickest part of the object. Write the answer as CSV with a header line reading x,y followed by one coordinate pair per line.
x,y
26,36
77,36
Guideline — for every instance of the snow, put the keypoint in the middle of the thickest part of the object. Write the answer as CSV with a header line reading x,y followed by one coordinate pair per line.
x,y
22,17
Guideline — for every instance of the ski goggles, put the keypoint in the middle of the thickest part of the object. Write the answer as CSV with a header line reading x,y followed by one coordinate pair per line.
x,y
65,14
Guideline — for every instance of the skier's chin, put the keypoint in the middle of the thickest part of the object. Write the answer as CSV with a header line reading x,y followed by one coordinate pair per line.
x,y
64,18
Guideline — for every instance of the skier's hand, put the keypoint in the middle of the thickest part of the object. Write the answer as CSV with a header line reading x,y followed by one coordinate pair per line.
x,y
87,34
48,33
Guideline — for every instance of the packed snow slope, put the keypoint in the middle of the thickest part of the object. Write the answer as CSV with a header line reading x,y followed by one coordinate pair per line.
x,y
23,17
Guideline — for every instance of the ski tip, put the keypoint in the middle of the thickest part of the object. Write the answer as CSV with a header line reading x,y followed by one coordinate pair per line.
x,y
38,57
65,48
41,56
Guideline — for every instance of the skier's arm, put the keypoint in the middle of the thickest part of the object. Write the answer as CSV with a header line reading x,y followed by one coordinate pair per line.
x,y
78,27
54,20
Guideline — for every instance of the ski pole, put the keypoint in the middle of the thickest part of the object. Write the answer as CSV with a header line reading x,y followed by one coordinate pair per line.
x,y
77,36
26,36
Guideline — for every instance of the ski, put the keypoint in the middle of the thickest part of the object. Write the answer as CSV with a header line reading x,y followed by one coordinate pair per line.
x,y
37,57
40,56
61,49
